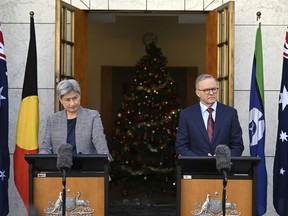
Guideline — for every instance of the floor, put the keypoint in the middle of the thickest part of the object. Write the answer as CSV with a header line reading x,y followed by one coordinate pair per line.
x,y
138,209
141,204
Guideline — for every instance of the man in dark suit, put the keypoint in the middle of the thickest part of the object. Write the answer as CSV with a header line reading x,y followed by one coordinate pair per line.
x,y
198,134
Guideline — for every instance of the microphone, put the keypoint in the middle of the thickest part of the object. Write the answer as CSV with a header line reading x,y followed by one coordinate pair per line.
x,y
64,158
223,159
223,165
64,163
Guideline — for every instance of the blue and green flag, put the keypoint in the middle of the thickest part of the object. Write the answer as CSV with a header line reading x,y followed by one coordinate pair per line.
x,y
257,124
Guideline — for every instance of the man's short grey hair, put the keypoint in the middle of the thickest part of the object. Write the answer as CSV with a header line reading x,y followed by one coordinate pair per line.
x,y
67,86
203,77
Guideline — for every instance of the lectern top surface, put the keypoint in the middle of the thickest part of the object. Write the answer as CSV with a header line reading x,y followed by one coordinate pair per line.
x,y
207,165
83,162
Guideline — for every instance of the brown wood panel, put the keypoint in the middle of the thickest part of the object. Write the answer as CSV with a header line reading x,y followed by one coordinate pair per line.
x,y
46,190
106,98
211,43
80,52
194,191
231,69
192,73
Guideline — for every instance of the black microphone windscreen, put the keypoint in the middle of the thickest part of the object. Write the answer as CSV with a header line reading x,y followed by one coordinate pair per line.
x,y
223,158
65,155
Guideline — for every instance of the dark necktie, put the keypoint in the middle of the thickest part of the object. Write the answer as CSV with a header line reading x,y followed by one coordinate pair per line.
x,y
210,124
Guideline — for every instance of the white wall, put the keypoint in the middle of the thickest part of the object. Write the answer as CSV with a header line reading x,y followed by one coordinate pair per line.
x,y
14,16
15,24
274,24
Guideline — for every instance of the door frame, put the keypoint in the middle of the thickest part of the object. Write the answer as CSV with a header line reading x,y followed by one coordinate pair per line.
x,y
213,56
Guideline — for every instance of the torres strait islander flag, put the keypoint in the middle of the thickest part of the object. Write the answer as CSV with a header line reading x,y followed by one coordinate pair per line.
x,y
257,123
28,121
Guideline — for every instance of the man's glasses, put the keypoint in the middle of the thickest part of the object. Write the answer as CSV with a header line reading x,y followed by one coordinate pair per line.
x,y
207,91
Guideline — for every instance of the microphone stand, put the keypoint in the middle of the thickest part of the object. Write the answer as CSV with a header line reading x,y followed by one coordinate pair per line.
x,y
224,192
64,192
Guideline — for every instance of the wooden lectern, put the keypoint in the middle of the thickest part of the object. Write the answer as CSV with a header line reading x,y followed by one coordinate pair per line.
x,y
86,185
200,186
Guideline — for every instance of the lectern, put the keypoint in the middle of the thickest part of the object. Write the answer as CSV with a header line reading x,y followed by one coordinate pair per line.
x,y
86,185
200,186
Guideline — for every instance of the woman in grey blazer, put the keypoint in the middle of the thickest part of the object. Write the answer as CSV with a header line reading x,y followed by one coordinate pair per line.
x,y
78,126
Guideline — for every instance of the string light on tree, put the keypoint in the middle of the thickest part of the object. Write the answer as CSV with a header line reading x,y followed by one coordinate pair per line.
x,y
143,142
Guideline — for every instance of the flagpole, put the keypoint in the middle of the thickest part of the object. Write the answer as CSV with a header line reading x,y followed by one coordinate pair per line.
x,y
257,122
28,121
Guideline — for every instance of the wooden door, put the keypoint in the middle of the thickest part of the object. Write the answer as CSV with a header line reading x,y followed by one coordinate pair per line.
x,y
71,47
220,49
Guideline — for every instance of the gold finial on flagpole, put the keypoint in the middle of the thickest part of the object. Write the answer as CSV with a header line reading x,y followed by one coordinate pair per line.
x,y
258,15
31,13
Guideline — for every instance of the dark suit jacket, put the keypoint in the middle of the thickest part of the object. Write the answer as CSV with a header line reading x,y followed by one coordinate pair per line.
x,y
192,138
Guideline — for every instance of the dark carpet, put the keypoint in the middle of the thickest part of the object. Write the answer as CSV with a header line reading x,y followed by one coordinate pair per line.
x,y
140,209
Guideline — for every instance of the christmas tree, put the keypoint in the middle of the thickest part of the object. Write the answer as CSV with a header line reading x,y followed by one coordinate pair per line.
x,y
143,139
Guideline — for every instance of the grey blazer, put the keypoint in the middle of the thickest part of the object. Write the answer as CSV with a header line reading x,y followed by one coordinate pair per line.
x,y
89,135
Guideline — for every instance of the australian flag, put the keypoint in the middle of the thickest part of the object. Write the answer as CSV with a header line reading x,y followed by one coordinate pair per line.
x,y
4,150
280,171
257,123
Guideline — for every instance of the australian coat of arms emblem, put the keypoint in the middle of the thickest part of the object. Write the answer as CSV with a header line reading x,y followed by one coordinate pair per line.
x,y
212,207
74,206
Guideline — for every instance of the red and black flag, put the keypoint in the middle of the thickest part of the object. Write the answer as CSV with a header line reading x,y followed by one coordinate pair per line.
x,y
28,120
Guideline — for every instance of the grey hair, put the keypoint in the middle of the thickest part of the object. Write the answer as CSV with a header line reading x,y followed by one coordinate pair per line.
x,y
203,77
66,86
